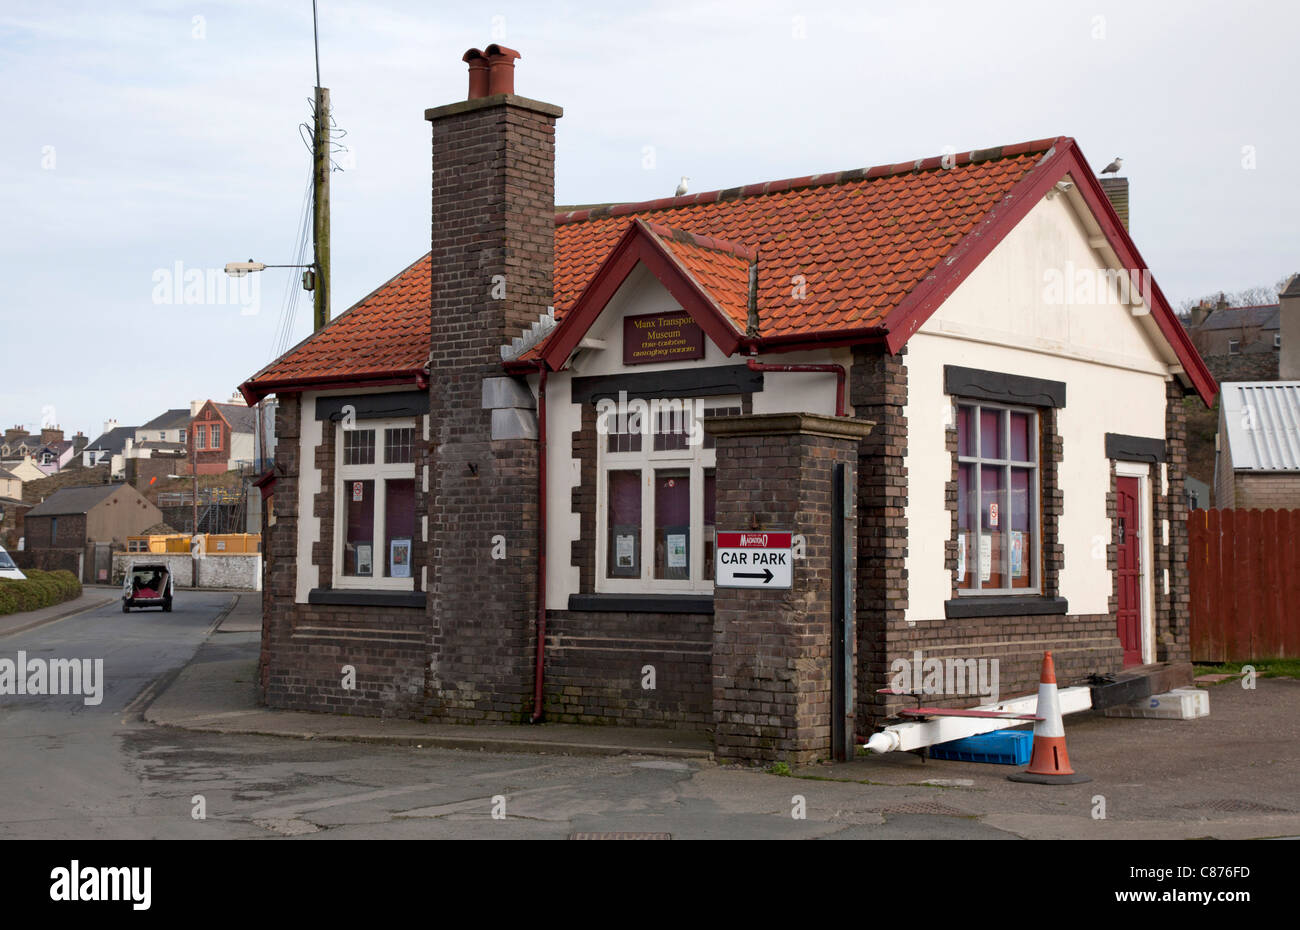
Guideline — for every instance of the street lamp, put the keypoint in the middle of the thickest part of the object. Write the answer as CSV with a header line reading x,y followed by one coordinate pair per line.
x,y
243,269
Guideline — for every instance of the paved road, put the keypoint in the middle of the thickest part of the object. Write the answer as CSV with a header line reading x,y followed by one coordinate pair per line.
x,y
75,771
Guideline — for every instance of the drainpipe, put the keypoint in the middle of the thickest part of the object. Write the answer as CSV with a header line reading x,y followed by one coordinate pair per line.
x,y
756,365
539,670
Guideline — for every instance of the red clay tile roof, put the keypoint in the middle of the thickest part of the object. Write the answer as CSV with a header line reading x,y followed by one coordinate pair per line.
x,y
852,244
721,268
383,335
836,254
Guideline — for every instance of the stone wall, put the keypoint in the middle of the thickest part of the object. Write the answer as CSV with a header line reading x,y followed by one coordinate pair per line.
x,y
237,572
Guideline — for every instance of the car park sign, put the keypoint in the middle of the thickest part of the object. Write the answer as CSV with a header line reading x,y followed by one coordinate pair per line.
x,y
754,560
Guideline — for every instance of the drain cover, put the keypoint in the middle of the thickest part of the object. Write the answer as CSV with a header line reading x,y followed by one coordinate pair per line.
x,y
620,836
924,807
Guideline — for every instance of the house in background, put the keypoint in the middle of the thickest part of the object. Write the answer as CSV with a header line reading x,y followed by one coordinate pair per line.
x,y
948,341
1238,343
12,509
1257,466
17,443
224,437
166,434
110,447
11,486
24,469
48,451
57,453
77,528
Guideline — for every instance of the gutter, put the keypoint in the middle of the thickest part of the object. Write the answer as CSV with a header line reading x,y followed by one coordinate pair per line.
x,y
253,394
539,670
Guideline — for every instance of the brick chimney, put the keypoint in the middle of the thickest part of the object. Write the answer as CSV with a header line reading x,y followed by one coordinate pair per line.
x,y
1199,313
51,434
1288,363
492,254
1116,190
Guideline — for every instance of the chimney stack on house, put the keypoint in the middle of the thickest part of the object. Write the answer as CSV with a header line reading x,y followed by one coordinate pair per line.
x,y
1116,191
1200,312
1288,363
195,406
491,263
51,434
109,425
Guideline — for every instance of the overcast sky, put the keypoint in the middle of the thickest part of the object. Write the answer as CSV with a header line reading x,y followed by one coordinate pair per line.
x,y
140,135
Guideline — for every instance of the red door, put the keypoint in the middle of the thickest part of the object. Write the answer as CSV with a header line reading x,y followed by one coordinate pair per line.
x,y
1129,615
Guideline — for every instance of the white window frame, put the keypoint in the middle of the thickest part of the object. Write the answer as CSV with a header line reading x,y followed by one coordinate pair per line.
x,y
1036,521
379,473
697,459
1277,340
1234,346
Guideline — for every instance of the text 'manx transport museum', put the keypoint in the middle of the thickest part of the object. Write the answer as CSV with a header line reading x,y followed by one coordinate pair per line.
x,y
869,366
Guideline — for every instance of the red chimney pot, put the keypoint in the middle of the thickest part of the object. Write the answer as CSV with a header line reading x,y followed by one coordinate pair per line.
x,y
501,73
478,73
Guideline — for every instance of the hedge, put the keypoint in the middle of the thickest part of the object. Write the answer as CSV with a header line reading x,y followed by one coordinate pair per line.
x,y
41,589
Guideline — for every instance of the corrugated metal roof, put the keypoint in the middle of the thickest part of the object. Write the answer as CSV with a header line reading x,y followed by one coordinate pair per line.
x,y
1262,419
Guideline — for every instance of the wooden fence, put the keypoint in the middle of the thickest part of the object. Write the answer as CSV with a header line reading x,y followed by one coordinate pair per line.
x,y
1244,572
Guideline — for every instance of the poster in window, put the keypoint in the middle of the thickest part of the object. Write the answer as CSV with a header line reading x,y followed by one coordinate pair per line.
x,y
961,557
986,558
365,559
626,538
625,551
358,491
399,558
676,550
1017,554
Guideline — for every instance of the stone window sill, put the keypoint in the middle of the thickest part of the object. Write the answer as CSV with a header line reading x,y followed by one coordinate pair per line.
x,y
643,603
997,605
358,597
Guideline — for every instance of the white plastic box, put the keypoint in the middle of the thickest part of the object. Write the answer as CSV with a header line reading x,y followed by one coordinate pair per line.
x,y
1179,704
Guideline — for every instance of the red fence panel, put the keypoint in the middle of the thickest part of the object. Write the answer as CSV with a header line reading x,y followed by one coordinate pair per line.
x,y
1244,584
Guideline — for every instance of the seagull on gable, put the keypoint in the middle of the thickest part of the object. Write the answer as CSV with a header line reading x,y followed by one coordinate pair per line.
x,y
1113,167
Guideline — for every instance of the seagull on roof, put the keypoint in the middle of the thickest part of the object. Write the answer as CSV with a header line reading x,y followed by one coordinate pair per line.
x,y
681,186
1113,167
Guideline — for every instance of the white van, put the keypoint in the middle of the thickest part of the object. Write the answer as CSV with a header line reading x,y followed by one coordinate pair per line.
x,y
147,584
7,567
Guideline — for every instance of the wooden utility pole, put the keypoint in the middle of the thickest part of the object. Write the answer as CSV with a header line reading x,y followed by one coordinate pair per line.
x,y
320,208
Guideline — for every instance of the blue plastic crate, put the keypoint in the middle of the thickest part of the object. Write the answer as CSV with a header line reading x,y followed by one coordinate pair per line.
x,y
1001,747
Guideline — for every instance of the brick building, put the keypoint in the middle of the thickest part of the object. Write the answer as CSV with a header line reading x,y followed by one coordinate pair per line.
x,y
1238,343
222,437
77,528
501,476
1257,464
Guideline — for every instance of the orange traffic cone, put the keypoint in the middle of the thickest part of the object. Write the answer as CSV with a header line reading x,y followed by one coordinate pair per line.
x,y
1050,763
